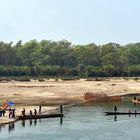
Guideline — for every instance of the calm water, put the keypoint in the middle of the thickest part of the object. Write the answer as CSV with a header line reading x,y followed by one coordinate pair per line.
x,y
83,122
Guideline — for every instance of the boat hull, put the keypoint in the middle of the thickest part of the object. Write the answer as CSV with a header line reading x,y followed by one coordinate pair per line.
x,y
40,116
122,113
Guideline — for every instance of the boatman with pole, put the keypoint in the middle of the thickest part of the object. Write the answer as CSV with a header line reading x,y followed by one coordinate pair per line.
x,y
115,109
61,109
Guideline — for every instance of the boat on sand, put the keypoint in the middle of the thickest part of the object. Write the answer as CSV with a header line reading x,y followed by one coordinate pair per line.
x,y
101,97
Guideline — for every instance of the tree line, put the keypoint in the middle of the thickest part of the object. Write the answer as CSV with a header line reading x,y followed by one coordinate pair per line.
x,y
62,58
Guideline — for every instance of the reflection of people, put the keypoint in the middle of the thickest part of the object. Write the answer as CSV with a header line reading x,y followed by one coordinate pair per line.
x,y
61,120
23,123
35,122
30,122
115,118
115,108
11,127
135,98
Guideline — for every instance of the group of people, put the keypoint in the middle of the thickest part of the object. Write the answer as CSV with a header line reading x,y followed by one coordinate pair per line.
x,y
129,111
11,113
134,112
31,113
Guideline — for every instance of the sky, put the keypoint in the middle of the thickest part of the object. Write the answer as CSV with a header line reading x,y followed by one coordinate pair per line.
x,y
78,21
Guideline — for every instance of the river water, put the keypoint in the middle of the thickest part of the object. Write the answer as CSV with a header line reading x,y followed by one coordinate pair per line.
x,y
82,122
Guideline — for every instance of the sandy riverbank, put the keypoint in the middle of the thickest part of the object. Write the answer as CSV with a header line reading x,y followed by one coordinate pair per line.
x,y
53,93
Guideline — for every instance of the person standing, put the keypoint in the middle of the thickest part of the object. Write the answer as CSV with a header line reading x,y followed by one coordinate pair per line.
x,y
35,112
31,113
135,98
10,113
23,112
40,107
0,113
3,113
13,113
115,108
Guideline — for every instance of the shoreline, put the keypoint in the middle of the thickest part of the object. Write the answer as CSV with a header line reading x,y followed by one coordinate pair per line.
x,y
68,93
5,119
52,109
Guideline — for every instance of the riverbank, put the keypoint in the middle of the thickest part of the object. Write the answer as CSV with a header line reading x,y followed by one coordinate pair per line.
x,y
53,93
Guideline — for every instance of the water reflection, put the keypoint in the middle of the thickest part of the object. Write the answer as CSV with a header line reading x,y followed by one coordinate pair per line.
x,y
23,123
115,118
87,120
61,121
11,127
40,120
35,122
30,122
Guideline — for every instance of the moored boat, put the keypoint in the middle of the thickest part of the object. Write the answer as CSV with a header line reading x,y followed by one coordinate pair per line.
x,y
122,113
27,117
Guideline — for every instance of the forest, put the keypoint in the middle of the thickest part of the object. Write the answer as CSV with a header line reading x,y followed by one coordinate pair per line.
x,y
62,58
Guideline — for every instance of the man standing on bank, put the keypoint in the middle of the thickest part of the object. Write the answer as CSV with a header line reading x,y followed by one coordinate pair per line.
x,y
40,107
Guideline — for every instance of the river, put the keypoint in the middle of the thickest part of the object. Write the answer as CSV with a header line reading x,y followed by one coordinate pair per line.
x,y
82,122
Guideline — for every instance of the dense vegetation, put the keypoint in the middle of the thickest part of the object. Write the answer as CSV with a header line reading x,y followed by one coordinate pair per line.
x,y
50,58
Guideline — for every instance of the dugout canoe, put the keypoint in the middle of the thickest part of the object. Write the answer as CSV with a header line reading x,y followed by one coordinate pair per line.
x,y
28,117
122,113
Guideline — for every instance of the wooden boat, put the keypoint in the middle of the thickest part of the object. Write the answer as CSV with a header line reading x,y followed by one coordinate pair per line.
x,y
122,113
137,101
27,117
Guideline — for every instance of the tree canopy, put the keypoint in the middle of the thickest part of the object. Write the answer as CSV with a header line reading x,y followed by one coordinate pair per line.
x,y
62,58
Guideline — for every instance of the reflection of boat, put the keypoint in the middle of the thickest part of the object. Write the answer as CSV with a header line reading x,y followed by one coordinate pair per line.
x,y
137,101
27,117
122,113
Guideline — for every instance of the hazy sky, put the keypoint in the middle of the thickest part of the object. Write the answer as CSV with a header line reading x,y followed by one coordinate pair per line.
x,y
79,21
